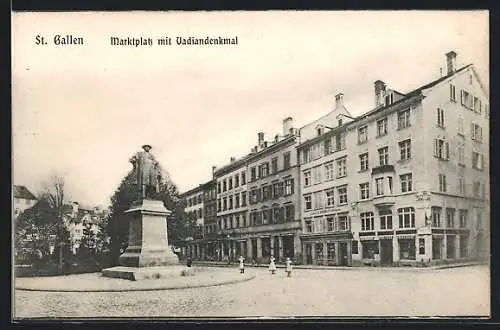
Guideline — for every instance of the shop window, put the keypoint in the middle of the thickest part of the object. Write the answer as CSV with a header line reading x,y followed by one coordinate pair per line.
x,y
355,247
421,246
407,249
370,248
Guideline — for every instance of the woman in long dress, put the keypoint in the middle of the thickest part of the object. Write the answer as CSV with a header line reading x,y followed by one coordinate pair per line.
x,y
272,265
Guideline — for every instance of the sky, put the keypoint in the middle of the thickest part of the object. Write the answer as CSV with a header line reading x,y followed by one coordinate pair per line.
x,y
83,111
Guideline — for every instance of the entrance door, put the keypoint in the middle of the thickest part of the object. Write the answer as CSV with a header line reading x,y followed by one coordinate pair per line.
x,y
288,250
386,252
343,254
254,249
309,254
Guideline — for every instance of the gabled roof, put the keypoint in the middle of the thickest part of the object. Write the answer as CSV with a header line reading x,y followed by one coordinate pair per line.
x,y
23,192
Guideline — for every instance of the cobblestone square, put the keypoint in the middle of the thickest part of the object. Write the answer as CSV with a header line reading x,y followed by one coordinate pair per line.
x,y
463,291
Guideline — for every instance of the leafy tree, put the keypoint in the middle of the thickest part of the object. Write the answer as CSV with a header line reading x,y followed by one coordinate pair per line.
x,y
116,224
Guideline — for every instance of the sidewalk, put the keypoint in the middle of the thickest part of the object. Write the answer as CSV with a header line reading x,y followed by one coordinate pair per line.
x,y
320,267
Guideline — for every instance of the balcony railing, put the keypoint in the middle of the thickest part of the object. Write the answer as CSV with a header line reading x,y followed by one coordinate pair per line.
x,y
382,169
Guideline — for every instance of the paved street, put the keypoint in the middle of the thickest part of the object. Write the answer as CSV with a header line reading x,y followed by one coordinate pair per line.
x,y
357,292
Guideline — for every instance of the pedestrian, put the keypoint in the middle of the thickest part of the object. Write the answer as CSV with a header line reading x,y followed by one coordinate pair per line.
x,y
288,267
242,264
272,265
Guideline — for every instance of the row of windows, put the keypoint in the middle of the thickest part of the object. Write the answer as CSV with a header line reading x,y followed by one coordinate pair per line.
x,y
272,215
337,222
233,201
476,131
478,188
192,201
329,145
196,214
463,217
232,221
232,182
263,170
318,199
272,191
382,127
406,217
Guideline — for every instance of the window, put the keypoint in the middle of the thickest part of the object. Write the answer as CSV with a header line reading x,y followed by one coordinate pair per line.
x,y
486,111
266,193
354,248
253,196
328,145
253,174
318,200
224,203
463,218
339,121
405,149
218,187
288,187
341,167
343,222
243,178
450,218
379,185
382,127
406,182
436,216
330,224
460,125
363,134
407,249
264,170
441,149
330,197
363,162
306,155
230,183
266,217
277,215
477,189
364,188
219,205
243,199
329,171
342,193
453,96
236,200
467,100
274,164
385,216
367,222
309,227
224,185
477,161
307,178
440,117
461,186
461,154
316,174
230,202
442,183
277,189
340,141
289,212
308,202
477,105
286,160
404,119
476,132
236,180
406,217
316,151
383,156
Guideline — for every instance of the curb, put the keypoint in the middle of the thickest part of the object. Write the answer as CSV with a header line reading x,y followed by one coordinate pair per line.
x,y
177,287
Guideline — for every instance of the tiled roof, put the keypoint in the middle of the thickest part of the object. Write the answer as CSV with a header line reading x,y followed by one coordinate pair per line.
x,y
23,192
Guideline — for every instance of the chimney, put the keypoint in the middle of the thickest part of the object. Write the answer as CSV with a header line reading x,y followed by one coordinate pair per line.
x,y
213,169
379,92
339,100
232,159
451,59
287,125
260,137
276,138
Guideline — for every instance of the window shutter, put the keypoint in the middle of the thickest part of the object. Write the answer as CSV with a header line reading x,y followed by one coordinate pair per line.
x,y
447,147
436,147
462,96
482,162
480,133
472,133
292,184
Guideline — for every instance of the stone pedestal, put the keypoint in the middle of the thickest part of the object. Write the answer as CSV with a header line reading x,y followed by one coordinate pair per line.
x,y
148,242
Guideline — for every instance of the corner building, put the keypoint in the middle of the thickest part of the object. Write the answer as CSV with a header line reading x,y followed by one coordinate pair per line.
x,y
410,184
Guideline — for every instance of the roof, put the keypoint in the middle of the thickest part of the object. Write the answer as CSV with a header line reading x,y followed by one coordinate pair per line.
x,y
23,192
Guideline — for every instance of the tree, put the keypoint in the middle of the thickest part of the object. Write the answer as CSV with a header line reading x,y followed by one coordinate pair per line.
x,y
116,225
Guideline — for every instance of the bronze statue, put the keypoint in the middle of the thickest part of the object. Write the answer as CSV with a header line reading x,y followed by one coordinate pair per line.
x,y
147,173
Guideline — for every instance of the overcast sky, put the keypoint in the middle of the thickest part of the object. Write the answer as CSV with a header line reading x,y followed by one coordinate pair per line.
x,y
82,111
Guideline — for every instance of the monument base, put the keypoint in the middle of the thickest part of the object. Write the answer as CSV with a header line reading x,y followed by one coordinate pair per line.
x,y
145,273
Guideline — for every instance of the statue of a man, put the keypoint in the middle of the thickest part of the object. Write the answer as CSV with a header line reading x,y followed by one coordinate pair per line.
x,y
147,174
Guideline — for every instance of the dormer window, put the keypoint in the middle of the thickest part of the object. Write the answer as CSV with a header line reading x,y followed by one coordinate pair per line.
x,y
320,129
389,99
340,121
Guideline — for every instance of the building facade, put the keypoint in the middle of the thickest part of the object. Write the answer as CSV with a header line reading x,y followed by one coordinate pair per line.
x,y
194,207
23,199
394,195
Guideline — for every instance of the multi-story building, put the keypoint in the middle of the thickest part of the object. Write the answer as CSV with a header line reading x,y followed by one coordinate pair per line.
x,y
77,217
232,206
408,181
193,200
23,199
324,186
